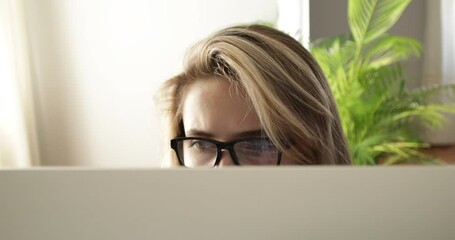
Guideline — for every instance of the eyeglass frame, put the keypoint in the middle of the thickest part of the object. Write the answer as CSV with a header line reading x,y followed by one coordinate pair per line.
x,y
219,147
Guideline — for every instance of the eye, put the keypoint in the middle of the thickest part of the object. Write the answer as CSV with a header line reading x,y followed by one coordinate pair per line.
x,y
257,146
201,145
254,146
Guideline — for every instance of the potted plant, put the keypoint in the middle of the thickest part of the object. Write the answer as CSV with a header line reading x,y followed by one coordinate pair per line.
x,y
364,68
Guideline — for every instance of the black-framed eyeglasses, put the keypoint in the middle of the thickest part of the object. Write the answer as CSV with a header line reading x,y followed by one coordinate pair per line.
x,y
194,152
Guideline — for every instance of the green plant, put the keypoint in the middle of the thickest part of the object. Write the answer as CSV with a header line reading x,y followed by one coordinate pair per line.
x,y
378,112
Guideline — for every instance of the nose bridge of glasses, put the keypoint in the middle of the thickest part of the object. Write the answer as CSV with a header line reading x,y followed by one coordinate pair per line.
x,y
225,156
225,145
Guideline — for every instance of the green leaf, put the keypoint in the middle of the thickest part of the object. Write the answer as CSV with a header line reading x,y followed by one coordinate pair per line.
x,y
391,49
369,19
423,93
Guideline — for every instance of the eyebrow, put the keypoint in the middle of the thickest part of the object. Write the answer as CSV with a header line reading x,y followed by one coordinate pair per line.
x,y
251,133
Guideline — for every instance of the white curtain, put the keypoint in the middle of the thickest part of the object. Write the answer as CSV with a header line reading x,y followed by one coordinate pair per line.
x,y
439,59
18,135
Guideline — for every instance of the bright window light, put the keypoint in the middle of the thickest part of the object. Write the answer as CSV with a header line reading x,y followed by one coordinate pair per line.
x,y
294,19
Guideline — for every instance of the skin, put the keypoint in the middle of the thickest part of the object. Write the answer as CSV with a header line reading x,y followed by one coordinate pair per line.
x,y
212,109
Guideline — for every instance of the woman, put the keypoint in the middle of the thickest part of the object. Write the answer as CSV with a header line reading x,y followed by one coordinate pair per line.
x,y
252,95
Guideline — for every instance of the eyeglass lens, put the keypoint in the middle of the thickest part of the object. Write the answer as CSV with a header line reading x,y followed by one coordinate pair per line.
x,y
200,153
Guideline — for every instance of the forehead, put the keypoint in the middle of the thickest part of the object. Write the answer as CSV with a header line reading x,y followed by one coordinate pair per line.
x,y
214,106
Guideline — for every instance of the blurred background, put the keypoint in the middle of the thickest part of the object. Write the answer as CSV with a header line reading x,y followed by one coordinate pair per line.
x,y
78,78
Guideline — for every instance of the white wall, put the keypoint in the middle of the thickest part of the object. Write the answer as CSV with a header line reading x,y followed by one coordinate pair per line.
x,y
98,63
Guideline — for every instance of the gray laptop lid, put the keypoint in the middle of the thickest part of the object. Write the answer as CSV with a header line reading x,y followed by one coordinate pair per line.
x,y
235,203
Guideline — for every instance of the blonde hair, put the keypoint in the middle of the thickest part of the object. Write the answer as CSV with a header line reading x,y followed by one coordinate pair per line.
x,y
282,83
